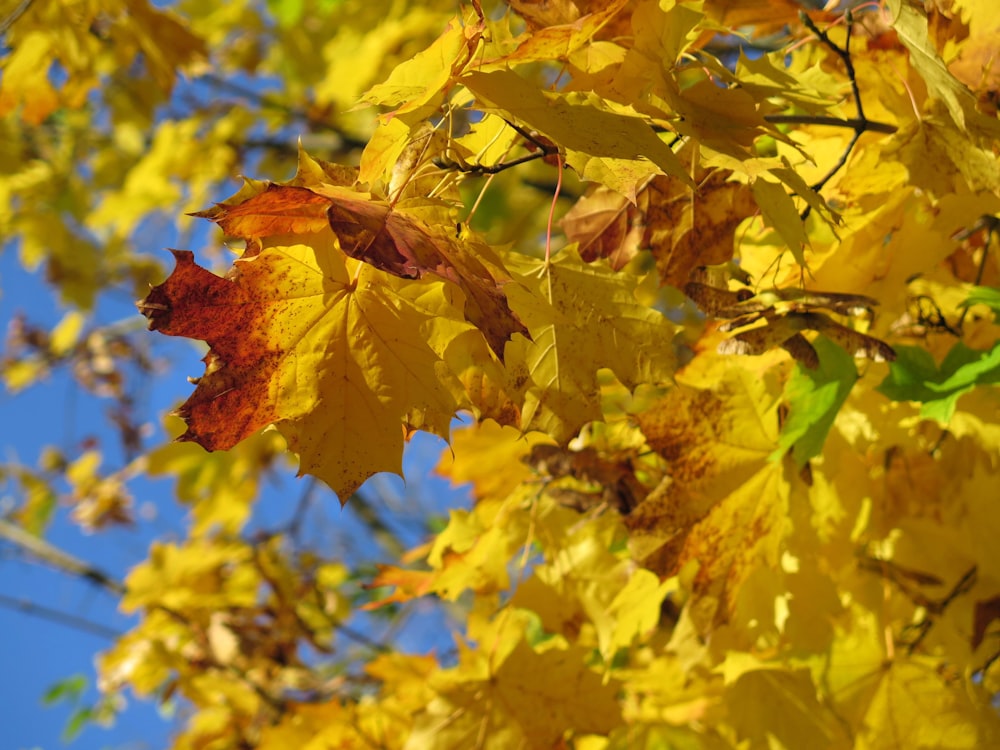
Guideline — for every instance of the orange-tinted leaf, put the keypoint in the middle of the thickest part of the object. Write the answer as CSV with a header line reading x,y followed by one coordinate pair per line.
x,y
561,32
684,228
393,241
336,355
763,15
408,584
606,225
724,502
279,209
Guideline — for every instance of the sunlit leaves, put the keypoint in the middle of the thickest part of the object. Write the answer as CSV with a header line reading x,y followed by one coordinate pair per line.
x,y
604,144
666,544
581,317
723,503
916,377
329,348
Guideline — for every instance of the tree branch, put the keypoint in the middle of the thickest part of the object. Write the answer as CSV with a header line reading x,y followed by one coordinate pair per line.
x,y
860,124
54,615
852,123
56,558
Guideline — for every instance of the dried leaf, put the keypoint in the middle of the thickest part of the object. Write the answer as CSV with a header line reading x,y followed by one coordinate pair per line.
x,y
391,240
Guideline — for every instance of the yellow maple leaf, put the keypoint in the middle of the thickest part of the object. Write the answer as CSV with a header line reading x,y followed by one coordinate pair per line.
x,y
220,488
581,318
606,144
917,704
330,349
490,456
724,502
201,575
525,699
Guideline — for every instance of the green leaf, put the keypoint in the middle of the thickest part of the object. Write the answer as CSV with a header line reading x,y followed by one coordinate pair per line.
x,y
286,12
908,375
915,377
814,398
984,295
69,689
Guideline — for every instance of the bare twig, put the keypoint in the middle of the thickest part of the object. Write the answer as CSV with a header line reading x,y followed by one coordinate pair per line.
x,y
54,615
56,558
267,101
852,123
544,150
992,226
860,124
14,15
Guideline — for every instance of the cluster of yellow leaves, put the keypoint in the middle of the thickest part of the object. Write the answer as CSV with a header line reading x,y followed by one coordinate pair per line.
x,y
349,322
669,545
668,573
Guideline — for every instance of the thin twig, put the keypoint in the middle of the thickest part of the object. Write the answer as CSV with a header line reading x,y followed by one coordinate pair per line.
x,y
301,509
544,150
851,123
56,558
552,212
79,624
992,226
14,15
860,124
268,101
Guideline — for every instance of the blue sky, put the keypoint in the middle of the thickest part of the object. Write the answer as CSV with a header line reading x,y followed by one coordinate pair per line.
x,y
37,653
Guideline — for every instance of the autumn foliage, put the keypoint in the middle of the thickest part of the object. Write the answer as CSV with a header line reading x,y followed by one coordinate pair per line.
x,y
712,287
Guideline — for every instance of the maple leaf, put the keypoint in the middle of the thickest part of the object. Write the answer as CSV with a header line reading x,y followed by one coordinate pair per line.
x,y
604,144
684,228
530,700
763,16
581,318
769,704
333,352
724,502
558,32
391,240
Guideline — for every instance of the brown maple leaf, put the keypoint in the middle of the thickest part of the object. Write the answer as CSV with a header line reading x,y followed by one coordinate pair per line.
x,y
334,353
395,241
683,229
786,313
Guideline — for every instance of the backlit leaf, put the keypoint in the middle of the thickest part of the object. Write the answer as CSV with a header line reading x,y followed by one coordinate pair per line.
x,y
814,399
311,341
580,316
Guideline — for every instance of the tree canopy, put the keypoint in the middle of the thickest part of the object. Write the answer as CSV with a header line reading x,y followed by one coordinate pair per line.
x,y
700,297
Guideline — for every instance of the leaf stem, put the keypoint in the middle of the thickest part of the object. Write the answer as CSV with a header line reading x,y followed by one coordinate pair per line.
x,y
552,210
